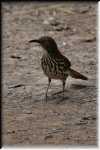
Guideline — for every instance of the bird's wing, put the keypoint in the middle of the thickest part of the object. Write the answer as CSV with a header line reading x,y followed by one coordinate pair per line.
x,y
63,62
67,62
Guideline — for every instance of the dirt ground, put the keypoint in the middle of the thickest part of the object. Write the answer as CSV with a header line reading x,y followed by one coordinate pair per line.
x,y
26,120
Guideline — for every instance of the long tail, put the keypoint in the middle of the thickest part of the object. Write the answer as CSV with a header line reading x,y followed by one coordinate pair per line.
x,y
76,75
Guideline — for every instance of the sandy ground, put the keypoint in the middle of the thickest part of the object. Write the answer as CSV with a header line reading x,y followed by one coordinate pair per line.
x,y
26,119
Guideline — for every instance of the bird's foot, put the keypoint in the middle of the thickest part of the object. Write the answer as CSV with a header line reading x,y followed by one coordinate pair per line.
x,y
44,101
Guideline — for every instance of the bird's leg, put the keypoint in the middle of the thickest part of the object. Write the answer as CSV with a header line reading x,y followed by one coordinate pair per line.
x,y
49,81
62,91
63,88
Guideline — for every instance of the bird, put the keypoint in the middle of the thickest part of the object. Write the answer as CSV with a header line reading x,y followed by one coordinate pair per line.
x,y
54,64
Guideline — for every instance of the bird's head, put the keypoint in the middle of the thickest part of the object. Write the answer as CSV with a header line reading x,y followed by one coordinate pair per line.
x,y
47,43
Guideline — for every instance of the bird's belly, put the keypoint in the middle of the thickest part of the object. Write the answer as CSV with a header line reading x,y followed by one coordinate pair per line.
x,y
53,69
54,72
56,76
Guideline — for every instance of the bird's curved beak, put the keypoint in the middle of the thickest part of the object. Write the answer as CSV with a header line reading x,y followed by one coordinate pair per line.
x,y
36,41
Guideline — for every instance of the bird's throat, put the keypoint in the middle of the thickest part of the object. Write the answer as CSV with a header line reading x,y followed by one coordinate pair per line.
x,y
52,52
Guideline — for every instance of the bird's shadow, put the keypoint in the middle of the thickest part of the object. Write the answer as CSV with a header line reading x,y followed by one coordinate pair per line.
x,y
77,93
69,94
78,86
